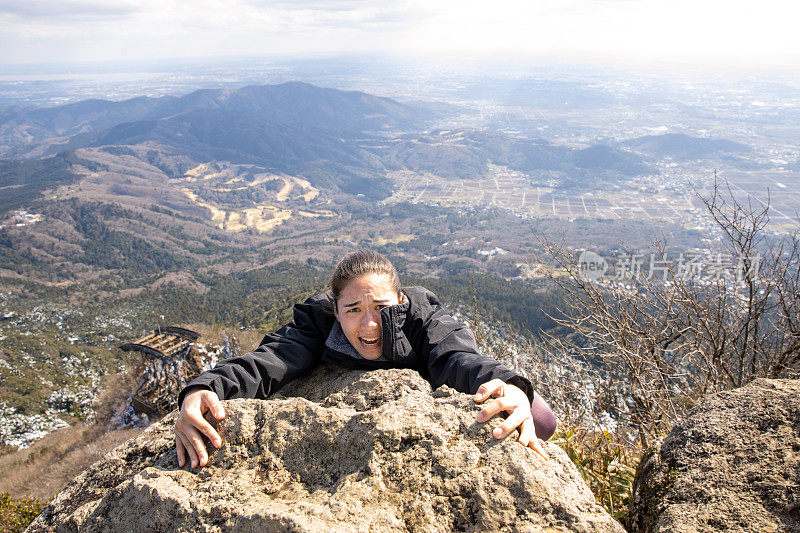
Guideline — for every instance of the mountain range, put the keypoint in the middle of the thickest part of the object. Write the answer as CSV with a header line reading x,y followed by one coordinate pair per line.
x,y
339,139
149,184
290,104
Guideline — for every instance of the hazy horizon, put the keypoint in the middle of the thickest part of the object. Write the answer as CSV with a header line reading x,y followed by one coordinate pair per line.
x,y
614,32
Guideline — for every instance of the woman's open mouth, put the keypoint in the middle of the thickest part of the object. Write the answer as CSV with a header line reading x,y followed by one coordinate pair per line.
x,y
370,342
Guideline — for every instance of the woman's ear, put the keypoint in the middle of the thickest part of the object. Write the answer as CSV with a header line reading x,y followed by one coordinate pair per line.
x,y
336,309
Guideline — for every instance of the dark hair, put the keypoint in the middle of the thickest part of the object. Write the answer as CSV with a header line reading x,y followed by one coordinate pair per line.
x,y
357,264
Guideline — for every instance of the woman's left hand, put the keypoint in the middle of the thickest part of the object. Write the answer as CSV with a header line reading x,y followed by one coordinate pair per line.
x,y
513,401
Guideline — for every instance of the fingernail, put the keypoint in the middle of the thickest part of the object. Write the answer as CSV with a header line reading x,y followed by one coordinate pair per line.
x,y
477,396
497,432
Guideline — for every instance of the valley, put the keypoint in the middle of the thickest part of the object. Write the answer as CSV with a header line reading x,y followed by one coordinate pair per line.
x,y
223,207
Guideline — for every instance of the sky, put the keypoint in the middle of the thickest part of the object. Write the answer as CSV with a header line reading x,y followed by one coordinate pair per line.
x,y
733,32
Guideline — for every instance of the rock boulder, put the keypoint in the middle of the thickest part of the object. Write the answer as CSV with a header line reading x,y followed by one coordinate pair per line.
x,y
732,465
338,451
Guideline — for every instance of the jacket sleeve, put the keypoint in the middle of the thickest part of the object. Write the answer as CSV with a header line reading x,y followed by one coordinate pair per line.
x,y
453,357
281,357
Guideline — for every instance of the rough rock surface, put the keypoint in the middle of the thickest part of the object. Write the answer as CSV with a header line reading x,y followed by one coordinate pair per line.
x,y
347,451
732,465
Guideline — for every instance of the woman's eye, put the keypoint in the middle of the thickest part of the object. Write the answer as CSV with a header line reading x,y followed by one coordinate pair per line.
x,y
353,310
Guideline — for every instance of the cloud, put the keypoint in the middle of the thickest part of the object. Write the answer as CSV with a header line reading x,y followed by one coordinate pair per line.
x,y
72,30
33,10
331,15
315,5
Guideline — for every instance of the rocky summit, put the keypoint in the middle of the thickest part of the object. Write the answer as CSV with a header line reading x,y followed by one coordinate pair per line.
x,y
341,451
732,465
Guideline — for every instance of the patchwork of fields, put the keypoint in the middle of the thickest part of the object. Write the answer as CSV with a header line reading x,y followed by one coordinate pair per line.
x,y
641,200
514,190
780,189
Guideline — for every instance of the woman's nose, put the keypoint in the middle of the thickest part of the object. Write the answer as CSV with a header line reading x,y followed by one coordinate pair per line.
x,y
371,319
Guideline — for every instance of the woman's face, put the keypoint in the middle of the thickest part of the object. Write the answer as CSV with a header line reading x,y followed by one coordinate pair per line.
x,y
358,312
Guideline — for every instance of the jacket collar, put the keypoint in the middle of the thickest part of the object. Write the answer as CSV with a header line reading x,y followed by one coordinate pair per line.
x,y
395,345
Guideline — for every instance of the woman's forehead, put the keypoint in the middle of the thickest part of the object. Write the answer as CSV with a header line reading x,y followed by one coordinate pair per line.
x,y
378,286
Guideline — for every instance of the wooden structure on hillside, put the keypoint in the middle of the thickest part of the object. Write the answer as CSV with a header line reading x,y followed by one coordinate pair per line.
x,y
169,361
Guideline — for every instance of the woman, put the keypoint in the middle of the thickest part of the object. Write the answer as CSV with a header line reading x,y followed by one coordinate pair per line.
x,y
366,321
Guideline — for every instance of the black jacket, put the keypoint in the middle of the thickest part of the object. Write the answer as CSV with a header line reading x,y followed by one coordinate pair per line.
x,y
416,334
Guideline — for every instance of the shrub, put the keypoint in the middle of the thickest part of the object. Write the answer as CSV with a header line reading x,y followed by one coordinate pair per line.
x,y
607,464
17,513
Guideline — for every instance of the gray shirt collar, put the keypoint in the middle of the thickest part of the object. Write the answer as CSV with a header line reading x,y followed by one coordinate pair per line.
x,y
337,341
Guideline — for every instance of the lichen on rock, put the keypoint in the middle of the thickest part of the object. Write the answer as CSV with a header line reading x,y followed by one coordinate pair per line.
x,y
338,450
732,465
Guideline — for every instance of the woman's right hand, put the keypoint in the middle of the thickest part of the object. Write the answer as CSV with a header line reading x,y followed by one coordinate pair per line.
x,y
190,426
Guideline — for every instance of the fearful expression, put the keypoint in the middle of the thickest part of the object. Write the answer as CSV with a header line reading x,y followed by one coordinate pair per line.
x,y
358,310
